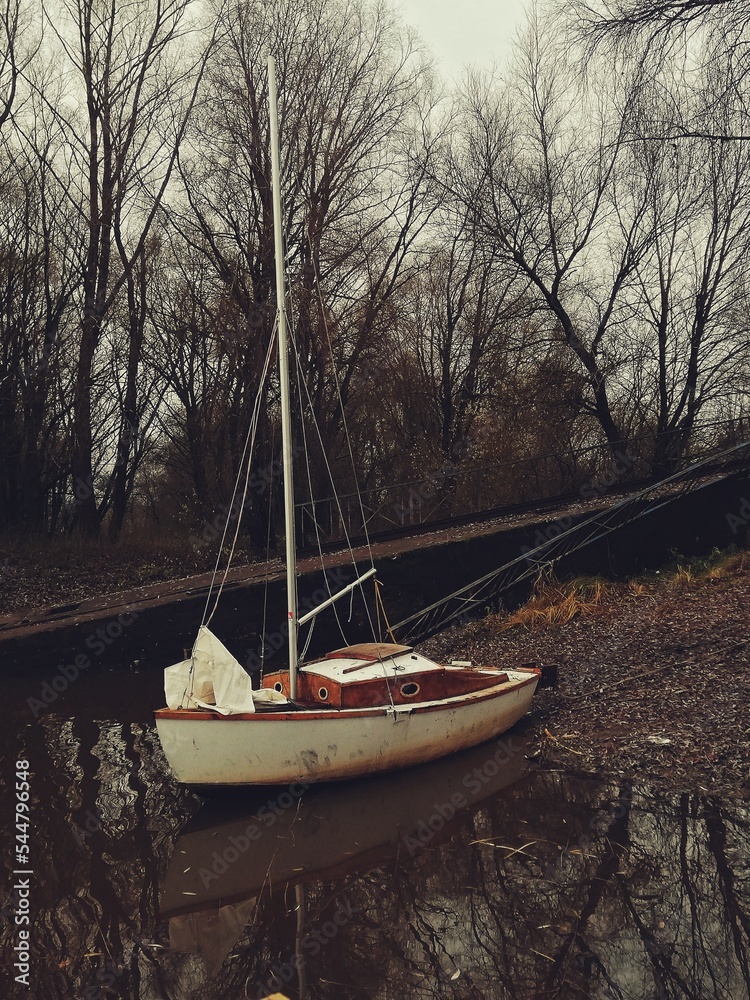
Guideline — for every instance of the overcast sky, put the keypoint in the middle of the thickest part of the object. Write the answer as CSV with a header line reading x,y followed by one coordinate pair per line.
x,y
462,32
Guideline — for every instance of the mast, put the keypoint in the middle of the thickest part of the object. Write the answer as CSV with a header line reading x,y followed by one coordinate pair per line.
x,y
286,410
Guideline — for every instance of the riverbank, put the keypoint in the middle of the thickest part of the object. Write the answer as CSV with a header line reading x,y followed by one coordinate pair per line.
x,y
654,674
43,573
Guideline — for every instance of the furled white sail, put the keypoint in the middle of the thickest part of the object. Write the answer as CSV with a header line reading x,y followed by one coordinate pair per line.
x,y
185,687
212,679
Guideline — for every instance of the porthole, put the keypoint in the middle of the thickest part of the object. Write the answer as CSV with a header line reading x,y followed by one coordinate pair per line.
x,y
323,694
278,686
410,689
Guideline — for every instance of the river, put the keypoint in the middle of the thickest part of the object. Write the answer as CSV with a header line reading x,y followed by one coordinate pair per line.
x,y
479,876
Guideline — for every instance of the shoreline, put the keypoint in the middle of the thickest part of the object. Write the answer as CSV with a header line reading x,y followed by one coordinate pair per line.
x,y
654,675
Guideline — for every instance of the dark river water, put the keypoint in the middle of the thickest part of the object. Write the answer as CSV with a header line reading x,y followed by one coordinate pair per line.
x,y
479,876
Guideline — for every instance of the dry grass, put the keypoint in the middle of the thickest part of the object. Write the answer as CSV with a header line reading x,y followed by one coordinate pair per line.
x,y
682,579
734,564
555,603
717,566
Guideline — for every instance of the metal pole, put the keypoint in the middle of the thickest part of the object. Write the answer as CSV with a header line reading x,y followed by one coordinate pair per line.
x,y
286,411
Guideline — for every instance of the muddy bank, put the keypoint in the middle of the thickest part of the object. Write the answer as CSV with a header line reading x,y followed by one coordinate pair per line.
x,y
654,674
654,678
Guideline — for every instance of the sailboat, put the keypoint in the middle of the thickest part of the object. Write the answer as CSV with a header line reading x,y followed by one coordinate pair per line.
x,y
361,709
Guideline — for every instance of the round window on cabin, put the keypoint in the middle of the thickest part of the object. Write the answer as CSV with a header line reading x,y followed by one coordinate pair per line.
x,y
323,693
278,686
409,690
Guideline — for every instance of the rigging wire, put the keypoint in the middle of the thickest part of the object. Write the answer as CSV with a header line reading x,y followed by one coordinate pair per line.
x,y
305,449
292,339
309,637
245,463
341,405
380,606
330,476
302,383
264,621
428,621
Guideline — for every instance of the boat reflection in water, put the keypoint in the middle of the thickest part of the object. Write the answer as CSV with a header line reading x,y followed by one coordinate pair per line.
x,y
557,885
233,852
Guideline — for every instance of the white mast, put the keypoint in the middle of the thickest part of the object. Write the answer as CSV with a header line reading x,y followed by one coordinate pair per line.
x,y
286,411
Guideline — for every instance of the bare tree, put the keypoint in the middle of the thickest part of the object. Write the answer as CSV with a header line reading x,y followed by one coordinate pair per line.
x,y
697,36
693,357
37,233
538,161
135,71
356,142
667,20
632,245
453,342
199,353
17,50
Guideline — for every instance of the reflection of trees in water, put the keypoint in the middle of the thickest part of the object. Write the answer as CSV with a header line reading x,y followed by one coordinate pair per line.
x,y
558,887
617,895
104,820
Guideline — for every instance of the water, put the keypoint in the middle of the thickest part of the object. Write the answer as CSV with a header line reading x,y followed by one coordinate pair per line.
x,y
478,876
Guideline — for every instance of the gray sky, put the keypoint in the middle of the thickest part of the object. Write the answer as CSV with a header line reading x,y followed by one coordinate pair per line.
x,y
461,32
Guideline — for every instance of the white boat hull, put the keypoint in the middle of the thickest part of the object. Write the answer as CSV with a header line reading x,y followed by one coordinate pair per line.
x,y
310,746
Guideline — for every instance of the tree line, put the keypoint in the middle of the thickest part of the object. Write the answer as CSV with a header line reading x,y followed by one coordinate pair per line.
x,y
541,262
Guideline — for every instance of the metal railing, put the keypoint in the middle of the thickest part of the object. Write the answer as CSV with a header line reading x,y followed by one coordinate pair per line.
x,y
733,461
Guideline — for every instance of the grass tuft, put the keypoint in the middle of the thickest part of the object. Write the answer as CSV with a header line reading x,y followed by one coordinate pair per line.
x,y
555,603
683,578
718,565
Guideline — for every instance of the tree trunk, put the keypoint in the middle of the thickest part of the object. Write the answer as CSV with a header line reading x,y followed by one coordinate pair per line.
x,y
86,517
125,463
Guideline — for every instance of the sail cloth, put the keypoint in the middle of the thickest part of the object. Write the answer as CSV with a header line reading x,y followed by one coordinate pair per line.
x,y
183,689
213,679
210,933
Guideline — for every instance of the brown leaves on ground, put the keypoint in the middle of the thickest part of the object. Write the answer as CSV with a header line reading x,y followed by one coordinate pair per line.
x,y
654,673
36,574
